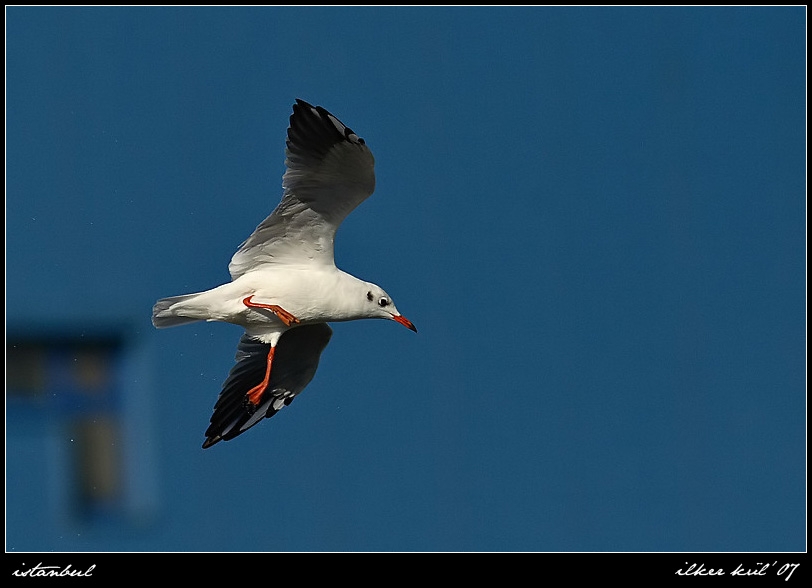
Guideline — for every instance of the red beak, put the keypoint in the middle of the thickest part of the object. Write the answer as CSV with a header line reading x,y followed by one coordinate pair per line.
x,y
405,322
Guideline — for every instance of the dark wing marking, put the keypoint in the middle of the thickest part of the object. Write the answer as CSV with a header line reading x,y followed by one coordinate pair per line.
x,y
295,361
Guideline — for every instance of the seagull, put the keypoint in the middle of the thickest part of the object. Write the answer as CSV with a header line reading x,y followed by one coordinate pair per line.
x,y
285,286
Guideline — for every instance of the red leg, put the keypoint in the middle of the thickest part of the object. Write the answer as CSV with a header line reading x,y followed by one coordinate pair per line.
x,y
255,394
283,314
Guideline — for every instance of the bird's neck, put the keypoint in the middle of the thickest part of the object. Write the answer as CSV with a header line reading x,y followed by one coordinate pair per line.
x,y
347,297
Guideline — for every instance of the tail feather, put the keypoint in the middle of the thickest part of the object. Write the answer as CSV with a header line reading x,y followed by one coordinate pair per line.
x,y
168,313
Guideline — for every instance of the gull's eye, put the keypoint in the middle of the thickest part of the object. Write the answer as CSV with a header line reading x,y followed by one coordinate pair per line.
x,y
369,296
384,301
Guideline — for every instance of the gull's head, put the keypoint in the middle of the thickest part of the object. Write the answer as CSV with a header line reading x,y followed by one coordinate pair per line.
x,y
378,304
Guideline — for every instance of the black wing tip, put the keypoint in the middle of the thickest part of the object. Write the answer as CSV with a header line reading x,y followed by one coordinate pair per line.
x,y
231,411
317,128
213,440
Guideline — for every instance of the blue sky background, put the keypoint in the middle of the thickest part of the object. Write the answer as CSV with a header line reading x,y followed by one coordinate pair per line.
x,y
594,216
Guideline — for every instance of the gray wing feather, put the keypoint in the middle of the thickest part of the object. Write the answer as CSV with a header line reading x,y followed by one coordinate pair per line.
x,y
330,171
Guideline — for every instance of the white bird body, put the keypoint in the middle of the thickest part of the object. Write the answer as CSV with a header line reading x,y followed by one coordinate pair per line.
x,y
285,285
312,295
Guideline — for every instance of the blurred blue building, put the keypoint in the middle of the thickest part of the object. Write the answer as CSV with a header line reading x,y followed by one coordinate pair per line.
x,y
78,400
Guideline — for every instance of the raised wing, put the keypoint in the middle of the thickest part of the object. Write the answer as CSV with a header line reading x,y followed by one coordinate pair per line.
x,y
330,171
295,361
